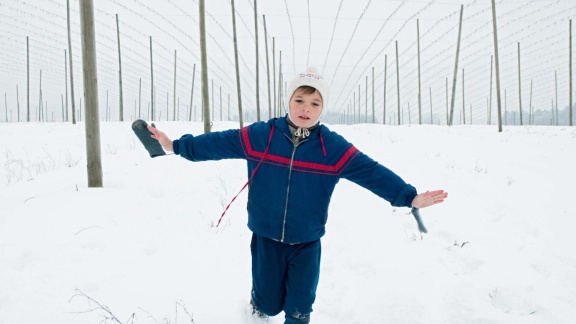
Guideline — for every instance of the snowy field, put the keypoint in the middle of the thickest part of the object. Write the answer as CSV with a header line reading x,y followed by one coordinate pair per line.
x,y
144,247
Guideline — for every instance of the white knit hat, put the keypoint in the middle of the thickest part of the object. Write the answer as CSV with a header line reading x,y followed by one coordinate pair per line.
x,y
309,78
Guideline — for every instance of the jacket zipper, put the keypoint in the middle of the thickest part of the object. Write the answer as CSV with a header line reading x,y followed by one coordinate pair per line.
x,y
288,189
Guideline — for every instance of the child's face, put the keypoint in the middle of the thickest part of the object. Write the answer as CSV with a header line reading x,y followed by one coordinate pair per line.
x,y
305,109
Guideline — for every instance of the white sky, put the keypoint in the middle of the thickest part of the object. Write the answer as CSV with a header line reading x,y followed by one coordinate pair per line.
x,y
344,39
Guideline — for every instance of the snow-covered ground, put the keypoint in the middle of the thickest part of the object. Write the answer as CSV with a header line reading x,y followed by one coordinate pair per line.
x,y
499,250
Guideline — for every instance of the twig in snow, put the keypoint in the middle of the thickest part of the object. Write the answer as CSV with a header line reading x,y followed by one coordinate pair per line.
x,y
104,308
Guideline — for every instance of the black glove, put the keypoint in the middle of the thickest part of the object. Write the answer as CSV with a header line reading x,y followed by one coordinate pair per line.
x,y
140,128
416,212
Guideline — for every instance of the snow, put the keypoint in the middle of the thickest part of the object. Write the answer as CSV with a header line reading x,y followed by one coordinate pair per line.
x,y
499,250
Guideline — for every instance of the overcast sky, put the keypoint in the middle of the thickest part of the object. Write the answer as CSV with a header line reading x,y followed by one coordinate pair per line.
x,y
344,39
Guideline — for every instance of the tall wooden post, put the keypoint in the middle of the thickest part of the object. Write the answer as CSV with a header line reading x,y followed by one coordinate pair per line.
x,y
65,116
373,116
71,65
274,74
220,103
267,69
366,101
27,80
419,80
140,99
174,112
497,66
456,67
555,113
431,115
463,101
570,76
94,162
205,102
398,81
120,71
519,86
384,103
17,104
238,91
280,80
257,58
192,92
490,103
530,117
151,83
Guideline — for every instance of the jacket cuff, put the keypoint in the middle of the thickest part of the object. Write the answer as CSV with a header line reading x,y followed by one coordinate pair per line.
x,y
176,147
405,196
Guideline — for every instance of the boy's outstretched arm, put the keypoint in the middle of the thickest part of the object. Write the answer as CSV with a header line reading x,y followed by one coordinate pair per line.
x,y
428,198
158,135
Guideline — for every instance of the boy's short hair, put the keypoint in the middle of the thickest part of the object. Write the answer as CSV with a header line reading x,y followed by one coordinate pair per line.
x,y
308,90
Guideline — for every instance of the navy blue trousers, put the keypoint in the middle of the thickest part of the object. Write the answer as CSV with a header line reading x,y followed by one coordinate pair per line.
x,y
285,277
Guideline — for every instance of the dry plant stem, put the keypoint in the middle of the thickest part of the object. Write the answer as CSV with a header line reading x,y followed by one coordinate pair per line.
x,y
100,306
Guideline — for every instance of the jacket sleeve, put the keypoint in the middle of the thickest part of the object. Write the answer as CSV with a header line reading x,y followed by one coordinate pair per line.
x,y
375,177
211,146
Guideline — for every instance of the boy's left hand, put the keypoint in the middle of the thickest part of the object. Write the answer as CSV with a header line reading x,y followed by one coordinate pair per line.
x,y
429,198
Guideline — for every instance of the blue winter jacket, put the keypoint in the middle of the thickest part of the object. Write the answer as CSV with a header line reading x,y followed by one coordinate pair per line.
x,y
290,192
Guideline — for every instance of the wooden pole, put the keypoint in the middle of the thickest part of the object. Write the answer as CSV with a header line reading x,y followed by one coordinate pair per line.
x,y
140,99
94,162
280,80
220,103
463,101
431,116
456,68
531,116
257,58
398,81
384,104
205,102
120,71
239,92
192,92
497,66
373,115
359,106
27,80
556,107
66,82
519,86
490,104
267,69
447,114
274,75
17,104
174,117
354,109
570,76
419,80
151,83
71,65
366,101
40,109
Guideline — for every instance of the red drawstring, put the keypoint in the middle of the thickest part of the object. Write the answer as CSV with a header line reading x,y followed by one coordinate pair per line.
x,y
251,176
322,144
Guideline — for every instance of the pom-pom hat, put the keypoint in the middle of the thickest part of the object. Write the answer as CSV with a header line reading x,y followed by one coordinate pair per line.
x,y
309,78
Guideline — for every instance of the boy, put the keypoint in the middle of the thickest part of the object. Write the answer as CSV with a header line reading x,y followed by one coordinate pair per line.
x,y
294,163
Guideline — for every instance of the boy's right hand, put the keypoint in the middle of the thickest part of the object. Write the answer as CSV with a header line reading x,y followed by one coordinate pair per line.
x,y
167,143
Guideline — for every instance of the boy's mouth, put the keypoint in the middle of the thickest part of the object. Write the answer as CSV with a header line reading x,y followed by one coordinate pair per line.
x,y
304,117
